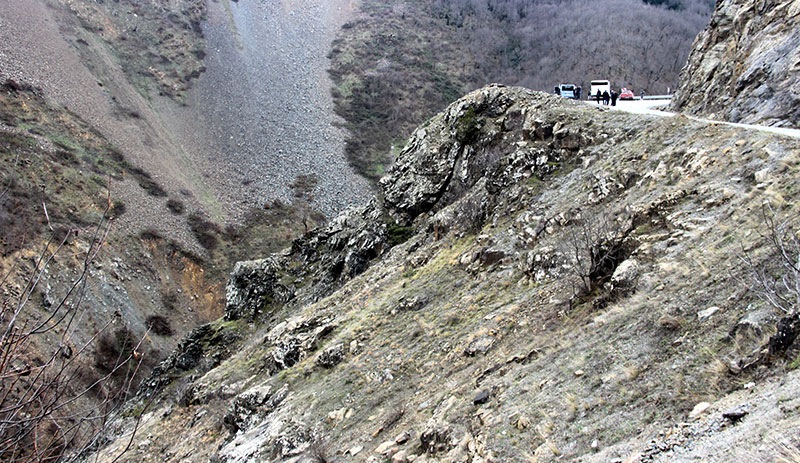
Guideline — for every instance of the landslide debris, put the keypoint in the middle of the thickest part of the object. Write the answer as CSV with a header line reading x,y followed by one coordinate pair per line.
x,y
158,44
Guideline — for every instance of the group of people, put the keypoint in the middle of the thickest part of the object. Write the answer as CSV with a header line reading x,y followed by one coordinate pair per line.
x,y
606,97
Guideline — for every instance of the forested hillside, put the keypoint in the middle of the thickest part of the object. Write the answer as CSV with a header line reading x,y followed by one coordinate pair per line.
x,y
401,61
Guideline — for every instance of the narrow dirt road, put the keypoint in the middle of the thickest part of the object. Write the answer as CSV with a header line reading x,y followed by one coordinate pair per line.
x,y
651,107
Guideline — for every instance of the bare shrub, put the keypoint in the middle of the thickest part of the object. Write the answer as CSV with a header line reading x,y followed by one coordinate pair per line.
x,y
175,206
776,279
160,325
52,405
595,249
204,230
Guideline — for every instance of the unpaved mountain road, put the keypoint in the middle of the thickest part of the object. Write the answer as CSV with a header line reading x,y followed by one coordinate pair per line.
x,y
652,107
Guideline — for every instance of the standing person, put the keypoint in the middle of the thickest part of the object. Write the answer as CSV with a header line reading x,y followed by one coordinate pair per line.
x,y
606,97
578,91
614,96
599,96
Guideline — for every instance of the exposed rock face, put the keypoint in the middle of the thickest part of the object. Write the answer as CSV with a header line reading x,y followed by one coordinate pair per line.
x,y
490,136
745,67
253,285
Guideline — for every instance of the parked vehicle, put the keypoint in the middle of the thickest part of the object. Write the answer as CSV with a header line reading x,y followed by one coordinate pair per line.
x,y
567,91
601,85
625,94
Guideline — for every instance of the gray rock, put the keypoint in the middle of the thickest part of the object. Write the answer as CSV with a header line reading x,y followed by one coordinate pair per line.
x,y
490,135
482,397
252,286
437,439
625,276
480,345
331,356
743,66
736,414
250,406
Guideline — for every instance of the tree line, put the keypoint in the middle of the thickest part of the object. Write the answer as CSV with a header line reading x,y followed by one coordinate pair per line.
x,y
401,61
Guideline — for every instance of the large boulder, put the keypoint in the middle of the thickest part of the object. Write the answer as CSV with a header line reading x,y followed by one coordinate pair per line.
x,y
495,137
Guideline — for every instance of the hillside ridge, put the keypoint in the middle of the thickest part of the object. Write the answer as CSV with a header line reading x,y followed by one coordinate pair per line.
x,y
564,282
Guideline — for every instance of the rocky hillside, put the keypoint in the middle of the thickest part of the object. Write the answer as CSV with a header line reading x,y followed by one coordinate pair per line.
x,y
541,280
744,67
121,211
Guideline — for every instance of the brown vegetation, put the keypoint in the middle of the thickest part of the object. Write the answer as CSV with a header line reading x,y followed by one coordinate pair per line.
x,y
397,64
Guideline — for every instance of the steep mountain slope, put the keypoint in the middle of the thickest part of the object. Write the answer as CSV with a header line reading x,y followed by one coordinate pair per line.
x,y
557,282
744,67
120,214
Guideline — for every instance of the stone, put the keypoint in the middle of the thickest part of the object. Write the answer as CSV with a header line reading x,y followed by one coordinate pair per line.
x,y
699,409
386,448
480,345
522,422
787,331
436,439
331,356
252,286
735,414
491,256
410,304
482,397
762,175
625,275
355,450
243,408
402,438
707,313
400,457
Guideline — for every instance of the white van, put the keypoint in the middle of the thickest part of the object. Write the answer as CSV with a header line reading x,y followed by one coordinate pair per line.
x,y
601,85
567,91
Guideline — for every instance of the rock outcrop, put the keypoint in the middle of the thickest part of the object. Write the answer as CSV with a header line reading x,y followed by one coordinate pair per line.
x,y
745,67
488,136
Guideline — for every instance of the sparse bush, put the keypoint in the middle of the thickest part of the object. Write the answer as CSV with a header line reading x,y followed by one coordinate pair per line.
x,y
170,300
303,186
112,347
159,325
147,183
595,249
175,206
150,234
398,234
777,279
117,209
204,230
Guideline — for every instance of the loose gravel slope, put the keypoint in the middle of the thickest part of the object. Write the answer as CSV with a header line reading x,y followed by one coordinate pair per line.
x,y
258,117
